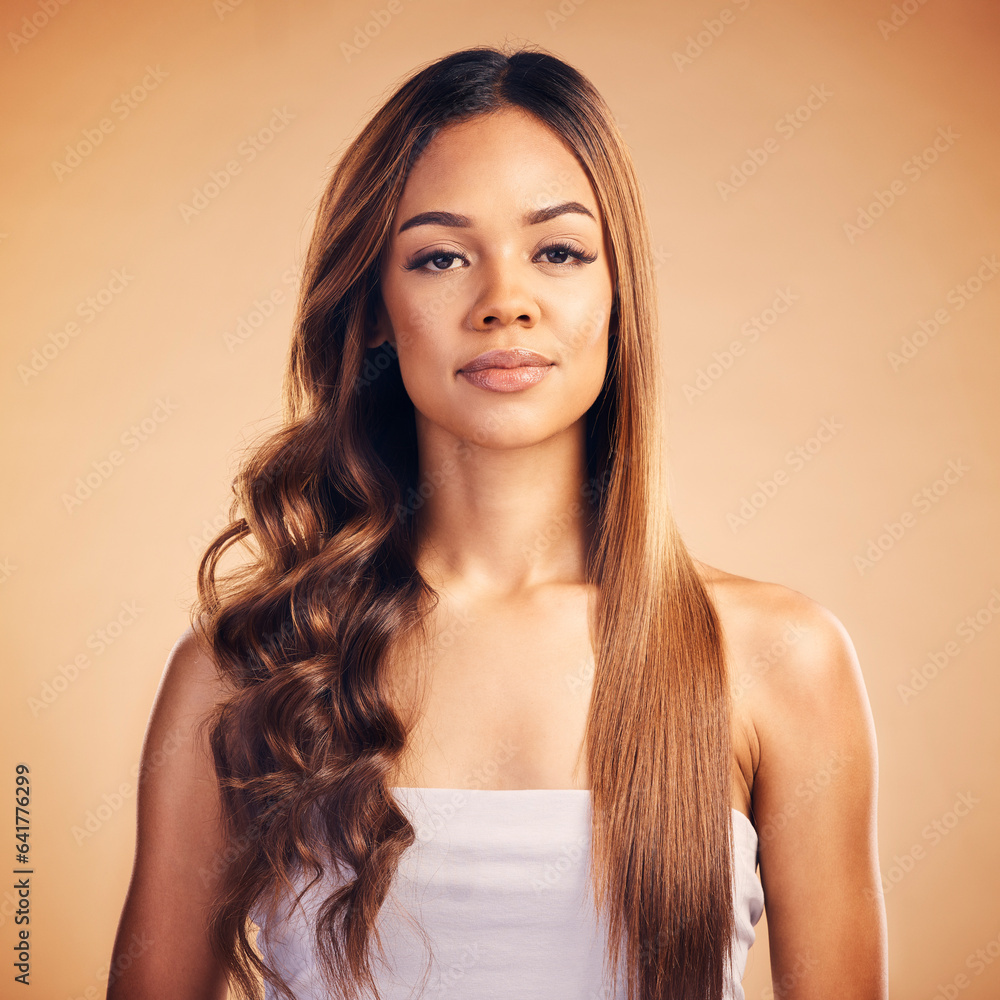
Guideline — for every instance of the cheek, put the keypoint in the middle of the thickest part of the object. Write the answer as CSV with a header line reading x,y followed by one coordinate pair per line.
x,y
420,316
583,328
425,363
584,316
422,366
421,320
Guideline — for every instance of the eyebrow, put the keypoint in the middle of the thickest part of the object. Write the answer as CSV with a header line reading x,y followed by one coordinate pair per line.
x,y
464,222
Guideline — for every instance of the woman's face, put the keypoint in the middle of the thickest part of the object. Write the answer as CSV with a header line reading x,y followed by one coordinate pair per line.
x,y
498,243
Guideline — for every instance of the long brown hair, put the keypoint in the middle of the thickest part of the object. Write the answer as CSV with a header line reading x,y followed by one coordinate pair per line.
x,y
325,508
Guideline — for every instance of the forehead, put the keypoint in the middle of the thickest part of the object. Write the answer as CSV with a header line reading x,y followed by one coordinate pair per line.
x,y
497,163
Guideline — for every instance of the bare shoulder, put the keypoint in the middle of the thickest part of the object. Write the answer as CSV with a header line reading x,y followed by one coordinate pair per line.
x,y
191,681
798,689
179,839
190,687
780,642
797,683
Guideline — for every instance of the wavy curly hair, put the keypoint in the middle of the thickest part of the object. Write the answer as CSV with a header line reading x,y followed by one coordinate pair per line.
x,y
306,746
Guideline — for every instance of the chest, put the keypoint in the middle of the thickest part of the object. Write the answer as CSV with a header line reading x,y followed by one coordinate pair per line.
x,y
499,698
498,695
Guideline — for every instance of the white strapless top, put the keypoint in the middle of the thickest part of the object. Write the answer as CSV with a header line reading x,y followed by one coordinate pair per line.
x,y
497,880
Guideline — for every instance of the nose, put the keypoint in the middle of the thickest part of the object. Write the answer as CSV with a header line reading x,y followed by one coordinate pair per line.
x,y
503,299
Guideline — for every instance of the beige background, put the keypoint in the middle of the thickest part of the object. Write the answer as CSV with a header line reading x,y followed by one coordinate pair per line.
x,y
158,352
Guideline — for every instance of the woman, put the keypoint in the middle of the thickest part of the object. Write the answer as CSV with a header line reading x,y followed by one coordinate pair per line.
x,y
469,678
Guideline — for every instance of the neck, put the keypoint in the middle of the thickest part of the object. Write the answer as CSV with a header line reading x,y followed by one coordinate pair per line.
x,y
502,521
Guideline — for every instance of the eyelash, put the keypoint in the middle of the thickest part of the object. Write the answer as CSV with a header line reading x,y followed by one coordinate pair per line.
x,y
582,257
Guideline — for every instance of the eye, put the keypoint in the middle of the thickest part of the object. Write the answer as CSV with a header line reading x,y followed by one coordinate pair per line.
x,y
433,256
563,250
568,250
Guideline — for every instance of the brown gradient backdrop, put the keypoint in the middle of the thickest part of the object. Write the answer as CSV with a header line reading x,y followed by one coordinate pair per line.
x,y
123,559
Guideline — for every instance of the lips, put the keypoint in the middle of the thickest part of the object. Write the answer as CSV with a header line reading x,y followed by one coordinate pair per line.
x,y
516,357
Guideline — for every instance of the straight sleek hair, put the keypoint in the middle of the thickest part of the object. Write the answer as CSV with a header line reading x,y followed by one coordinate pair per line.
x,y
307,745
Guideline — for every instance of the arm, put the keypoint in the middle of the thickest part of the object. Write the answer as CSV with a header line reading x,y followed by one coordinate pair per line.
x,y
161,949
814,800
